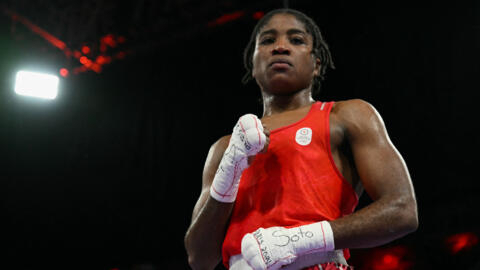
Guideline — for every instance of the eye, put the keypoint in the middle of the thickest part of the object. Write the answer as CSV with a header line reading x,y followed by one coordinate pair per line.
x,y
297,41
267,41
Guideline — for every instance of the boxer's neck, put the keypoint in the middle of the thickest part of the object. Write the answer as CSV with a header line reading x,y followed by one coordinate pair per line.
x,y
273,104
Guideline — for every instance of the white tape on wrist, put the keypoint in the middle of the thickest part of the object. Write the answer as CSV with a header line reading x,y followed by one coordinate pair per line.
x,y
224,187
321,240
247,140
277,246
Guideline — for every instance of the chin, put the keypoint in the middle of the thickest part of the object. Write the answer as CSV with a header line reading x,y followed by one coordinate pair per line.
x,y
284,87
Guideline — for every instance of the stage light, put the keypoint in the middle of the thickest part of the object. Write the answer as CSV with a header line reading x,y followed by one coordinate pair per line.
x,y
64,72
258,15
390,261
86,50
77,54
389,258
101,60
83,60
96,67
109,40
36,84
461,242
225,18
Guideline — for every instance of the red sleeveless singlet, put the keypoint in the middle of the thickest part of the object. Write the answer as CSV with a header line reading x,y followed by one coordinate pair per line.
x,y
296,182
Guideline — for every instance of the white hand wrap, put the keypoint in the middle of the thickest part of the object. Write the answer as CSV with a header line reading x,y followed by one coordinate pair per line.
x,y
276,246
247,140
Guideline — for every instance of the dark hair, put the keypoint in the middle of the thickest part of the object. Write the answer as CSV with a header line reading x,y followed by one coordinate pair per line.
x,y
320,47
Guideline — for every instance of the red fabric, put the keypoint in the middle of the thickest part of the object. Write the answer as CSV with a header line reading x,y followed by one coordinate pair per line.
x,y
291,184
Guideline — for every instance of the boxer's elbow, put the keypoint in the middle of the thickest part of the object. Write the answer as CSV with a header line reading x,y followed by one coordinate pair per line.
x,y
197,258
407,215
199,263
412,220
194,263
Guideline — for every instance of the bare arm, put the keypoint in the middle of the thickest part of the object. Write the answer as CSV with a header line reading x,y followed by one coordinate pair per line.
x,y
385,177
205,235
226,161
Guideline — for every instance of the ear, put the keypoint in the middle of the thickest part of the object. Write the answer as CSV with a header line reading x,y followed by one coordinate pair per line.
x,y
316,67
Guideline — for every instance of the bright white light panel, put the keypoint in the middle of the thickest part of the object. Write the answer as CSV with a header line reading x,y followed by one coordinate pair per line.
x,y
36,84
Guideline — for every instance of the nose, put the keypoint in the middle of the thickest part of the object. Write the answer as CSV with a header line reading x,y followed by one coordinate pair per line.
x,y
280,47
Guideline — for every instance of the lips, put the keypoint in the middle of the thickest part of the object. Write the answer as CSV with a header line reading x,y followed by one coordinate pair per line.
x,y
280,61
280,65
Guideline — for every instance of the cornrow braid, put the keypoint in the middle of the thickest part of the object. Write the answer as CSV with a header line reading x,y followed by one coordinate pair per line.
x,y
320,47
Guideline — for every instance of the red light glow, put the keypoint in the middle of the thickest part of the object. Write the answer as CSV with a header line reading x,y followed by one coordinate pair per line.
x,y
96,67
391,258
109,40
121,39
102,60
83,60
63,72
461,241
88,63
84,53
79,69
103,47
86,50
44,34
67,52
258,15
227,18
77,54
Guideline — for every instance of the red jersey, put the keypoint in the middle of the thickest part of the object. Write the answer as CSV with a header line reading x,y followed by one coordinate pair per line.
x,y
294,183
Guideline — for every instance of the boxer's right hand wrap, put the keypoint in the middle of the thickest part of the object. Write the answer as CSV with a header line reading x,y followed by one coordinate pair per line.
x,y
247,140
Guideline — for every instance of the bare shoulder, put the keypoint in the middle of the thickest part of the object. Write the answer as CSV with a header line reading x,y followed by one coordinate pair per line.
x,y
357,116
353,108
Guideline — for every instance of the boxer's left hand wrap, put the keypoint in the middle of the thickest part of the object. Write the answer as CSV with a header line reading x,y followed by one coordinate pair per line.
x,y
247,140
276,246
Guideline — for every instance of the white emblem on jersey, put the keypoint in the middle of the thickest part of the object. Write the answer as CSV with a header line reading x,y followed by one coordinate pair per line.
x,y
304,136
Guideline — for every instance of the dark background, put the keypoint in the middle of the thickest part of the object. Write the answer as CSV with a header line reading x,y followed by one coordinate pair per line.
x,y
106,175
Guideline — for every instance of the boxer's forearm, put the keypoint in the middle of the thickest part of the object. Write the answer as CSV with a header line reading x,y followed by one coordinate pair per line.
x,y
379,223
204,238
211,214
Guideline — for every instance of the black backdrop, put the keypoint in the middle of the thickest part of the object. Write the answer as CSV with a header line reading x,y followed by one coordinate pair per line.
x,y
106,175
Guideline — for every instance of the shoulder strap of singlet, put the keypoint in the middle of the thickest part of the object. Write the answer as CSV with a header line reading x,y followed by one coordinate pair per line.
x,y
326,106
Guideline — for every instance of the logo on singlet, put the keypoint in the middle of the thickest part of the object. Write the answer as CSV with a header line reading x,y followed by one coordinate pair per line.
x,y
304,136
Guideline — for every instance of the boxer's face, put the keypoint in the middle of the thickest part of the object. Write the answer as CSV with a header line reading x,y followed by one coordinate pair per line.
x,y
283,62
